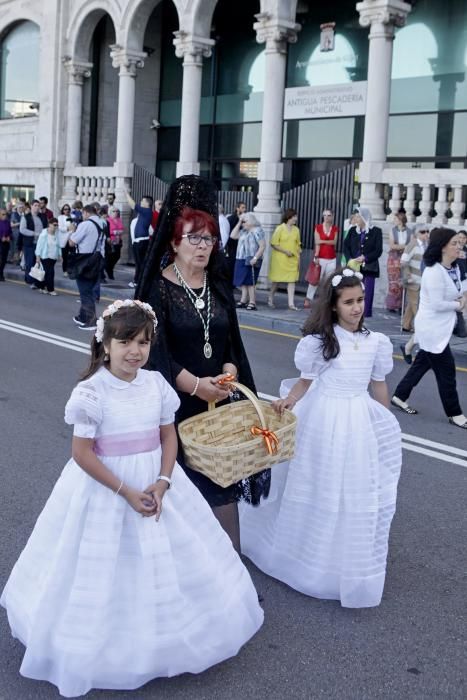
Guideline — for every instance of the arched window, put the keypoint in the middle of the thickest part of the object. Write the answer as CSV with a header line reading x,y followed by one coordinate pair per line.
x,y
333,67
19,71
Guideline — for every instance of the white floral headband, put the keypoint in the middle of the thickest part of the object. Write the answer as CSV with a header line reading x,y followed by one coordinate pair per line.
x,y
119,304
346,272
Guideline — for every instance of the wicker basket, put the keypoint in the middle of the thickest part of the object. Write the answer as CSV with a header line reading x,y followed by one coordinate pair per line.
x,y
219,443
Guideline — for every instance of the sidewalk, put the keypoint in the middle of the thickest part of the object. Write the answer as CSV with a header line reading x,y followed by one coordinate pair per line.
x,y
280,319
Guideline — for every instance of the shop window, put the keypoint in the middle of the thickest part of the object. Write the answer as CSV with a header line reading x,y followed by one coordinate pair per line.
x,y
19,72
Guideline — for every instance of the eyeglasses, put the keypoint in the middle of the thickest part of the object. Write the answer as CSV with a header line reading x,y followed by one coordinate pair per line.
x,y
425,230
195,239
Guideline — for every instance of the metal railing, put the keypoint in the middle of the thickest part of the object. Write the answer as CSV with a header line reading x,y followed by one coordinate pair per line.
x,y
335,190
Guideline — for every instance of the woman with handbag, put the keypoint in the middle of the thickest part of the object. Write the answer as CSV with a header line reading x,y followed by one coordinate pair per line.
x,y
323,262
198,339
363,246
48,251
441,296
249,257
285,257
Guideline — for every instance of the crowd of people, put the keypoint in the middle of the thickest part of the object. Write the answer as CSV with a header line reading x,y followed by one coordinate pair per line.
x,y
146,580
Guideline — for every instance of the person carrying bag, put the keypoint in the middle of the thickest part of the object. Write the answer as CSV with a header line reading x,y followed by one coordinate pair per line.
x,y
86,264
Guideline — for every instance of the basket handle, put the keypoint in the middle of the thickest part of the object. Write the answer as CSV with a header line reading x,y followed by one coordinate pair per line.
x,y
249,395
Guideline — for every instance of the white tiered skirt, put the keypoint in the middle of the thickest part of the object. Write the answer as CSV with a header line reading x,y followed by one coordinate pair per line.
x,y
324,528
104,598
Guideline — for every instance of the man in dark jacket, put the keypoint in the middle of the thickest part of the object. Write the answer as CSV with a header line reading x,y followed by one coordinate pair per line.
x,y
30,227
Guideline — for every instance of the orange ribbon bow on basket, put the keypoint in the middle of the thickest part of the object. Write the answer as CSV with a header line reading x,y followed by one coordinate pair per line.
x,y
270,438
227,379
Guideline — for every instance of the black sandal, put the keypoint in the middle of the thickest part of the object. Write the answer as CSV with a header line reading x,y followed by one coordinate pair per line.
x,y
406,355
251,307
241,304
463,426
406,409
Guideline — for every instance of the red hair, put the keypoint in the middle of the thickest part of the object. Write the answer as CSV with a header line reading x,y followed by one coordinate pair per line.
x,y
200,220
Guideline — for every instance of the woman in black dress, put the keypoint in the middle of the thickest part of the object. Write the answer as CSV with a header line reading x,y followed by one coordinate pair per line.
x,y
198,339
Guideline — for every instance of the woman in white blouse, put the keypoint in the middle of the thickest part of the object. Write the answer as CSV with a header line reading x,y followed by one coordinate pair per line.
x,y
441,295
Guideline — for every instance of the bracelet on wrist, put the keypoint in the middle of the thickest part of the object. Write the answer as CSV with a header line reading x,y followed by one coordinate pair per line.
x,y
119,488
293,397
193,393
167,480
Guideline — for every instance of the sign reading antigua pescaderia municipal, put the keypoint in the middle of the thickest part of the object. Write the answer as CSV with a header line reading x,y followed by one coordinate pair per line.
x,y
324,101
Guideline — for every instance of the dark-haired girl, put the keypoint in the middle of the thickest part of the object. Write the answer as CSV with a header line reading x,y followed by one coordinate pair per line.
x,y
324,529
441,296
127,575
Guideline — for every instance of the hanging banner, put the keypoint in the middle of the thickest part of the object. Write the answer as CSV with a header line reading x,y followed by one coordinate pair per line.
x,y
324,101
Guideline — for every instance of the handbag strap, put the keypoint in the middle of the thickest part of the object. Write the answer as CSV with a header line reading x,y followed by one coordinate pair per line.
x,y
99,235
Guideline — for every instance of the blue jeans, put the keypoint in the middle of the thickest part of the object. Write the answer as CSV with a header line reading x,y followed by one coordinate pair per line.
x,y
29,258
87,312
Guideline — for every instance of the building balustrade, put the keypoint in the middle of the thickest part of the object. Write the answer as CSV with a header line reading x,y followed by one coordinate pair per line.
x,y
437,197
89,184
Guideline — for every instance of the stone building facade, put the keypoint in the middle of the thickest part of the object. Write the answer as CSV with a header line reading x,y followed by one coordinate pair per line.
x,y
260,94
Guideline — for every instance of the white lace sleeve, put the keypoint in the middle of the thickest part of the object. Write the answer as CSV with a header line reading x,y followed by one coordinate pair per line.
x,y
383,362
309,358
83,410
169,400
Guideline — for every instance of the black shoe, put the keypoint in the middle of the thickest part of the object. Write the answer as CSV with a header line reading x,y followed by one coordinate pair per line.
x,y
407,330
78,321
406,409
87,326
407,357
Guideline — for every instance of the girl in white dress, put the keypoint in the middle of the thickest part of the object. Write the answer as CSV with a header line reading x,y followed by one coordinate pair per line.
x,y
324,528
100,596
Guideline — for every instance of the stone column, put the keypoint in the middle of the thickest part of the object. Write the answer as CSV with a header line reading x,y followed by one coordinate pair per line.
x,y
276,33
127,62
382,16
77,72
192,49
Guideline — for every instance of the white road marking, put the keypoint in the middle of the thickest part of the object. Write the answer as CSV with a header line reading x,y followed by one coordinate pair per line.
x,y
45,337
412,443
36,332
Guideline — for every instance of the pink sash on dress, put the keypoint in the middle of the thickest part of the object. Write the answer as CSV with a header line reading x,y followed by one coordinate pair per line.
x,y
123,444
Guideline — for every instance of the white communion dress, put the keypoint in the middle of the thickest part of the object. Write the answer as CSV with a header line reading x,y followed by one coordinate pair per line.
x,y
324,528
104,598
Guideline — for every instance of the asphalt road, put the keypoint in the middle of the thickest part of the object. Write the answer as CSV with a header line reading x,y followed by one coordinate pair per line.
x,y
412,646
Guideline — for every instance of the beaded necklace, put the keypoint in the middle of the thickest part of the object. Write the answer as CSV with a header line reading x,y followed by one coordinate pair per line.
x,y
199,305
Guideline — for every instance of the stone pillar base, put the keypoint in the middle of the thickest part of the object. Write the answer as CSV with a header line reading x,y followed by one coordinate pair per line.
x,y
190,168
371,197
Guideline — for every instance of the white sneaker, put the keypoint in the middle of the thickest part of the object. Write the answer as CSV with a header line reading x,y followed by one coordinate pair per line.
x,y
53,294
132,285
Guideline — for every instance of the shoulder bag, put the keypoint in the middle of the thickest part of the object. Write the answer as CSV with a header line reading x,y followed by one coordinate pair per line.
x,y
86,265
